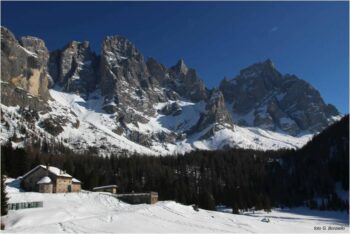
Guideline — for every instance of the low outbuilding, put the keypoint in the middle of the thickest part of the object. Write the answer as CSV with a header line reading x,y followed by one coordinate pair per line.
x,y
45,185
107,188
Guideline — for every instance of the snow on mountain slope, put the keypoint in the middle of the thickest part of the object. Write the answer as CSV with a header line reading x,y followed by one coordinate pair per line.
x,y
93,212
95,123
190,114
118,102
86,126
95,126
252,138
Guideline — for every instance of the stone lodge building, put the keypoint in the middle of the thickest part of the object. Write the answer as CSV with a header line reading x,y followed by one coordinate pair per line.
x,y
48,179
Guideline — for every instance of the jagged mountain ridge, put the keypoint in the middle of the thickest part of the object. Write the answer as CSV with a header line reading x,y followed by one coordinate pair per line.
x,y
118,101
260,96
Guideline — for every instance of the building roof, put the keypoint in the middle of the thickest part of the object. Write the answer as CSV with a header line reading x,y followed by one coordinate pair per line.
x,y
54,170
44,180
76,180
106,186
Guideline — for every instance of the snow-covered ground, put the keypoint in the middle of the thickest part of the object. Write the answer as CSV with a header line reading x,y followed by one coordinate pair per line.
x,y
93,212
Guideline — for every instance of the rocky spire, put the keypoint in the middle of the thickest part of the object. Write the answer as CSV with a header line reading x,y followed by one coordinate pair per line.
x,y
125,78
180,68
216,116
188,83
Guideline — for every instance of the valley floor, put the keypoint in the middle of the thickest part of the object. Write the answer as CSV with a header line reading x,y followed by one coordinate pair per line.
x,y
93,212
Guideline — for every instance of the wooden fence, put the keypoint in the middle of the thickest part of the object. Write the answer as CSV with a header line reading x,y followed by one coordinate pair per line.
x,y
25,205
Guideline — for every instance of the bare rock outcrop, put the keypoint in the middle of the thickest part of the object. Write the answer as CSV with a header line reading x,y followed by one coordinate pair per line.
x,y
24,68
75,68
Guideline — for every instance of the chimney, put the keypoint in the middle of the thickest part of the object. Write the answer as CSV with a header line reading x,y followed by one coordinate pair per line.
x,y
47,169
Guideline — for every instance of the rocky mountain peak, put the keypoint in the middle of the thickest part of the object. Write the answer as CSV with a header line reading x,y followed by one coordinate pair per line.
x,y
180,67
265,70
253,84
187,82
74,67
125,79
7,35
152,61
269,63
156,69
146,104
120,48
261,96
76,45
35,45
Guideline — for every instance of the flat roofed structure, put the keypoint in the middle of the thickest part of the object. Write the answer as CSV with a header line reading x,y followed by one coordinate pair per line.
x,y
107,188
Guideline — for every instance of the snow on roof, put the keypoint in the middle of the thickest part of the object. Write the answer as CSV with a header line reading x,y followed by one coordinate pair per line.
x,y
57,171
106,186
54,170
76,180
44,180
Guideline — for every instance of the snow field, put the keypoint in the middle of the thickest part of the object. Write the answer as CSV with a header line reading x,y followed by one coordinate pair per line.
x,y
93,212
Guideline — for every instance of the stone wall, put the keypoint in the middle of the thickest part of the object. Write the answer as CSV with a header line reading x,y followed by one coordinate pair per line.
x,y
139,198
63,184
45,188
153,197
76,187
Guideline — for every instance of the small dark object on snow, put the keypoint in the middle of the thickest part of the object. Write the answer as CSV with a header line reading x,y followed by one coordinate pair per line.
x,y
195,207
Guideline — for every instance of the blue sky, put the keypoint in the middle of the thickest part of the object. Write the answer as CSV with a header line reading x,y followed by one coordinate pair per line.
x,y
308,39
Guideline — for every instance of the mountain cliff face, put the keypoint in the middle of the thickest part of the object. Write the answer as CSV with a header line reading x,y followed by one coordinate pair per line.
x,y
262,97
187,82
117,101
75,68
24,75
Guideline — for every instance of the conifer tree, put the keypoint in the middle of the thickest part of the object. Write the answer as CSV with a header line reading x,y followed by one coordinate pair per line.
x,y
4,197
